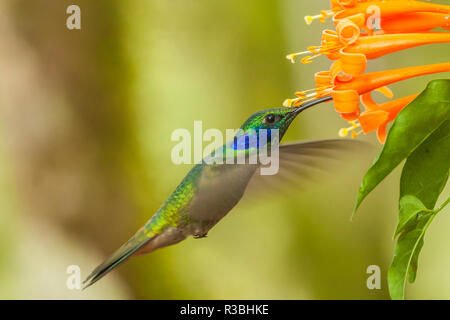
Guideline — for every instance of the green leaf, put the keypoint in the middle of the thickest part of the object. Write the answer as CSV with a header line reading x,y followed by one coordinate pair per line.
x,y
410,210
423,178
410,207
414,264
426,170
406,255
412,126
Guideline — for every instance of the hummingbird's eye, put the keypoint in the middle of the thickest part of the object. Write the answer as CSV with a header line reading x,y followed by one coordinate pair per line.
x,y
270,118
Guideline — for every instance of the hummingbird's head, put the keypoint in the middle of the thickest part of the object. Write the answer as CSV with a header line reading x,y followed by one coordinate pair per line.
x,y
269,119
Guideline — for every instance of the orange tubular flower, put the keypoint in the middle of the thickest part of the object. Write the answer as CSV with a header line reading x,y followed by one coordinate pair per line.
x,y
376,46
389,9
341,9
377,116
415,22
346,91
354,56
402,24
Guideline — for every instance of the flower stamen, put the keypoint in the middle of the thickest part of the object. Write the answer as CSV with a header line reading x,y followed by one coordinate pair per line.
x,y
309,59
355,134
324,14
308,95
291,56
343,132
316,51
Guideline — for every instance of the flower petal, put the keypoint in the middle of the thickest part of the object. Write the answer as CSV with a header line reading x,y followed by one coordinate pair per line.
x,y
371,120
381,133
346,101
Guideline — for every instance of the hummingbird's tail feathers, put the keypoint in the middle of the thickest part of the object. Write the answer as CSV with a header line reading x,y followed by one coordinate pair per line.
x,y
121,255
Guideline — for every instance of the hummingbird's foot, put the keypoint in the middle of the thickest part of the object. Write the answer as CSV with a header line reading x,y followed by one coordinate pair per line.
x,y
200,235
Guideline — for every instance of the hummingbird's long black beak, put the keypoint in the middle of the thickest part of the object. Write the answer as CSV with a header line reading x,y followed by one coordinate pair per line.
x,y
310,104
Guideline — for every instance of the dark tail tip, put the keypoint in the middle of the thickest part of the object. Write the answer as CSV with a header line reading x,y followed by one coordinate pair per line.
x,y
121,255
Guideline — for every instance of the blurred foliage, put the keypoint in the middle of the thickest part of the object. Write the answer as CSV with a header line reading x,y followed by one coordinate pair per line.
x,y
85,125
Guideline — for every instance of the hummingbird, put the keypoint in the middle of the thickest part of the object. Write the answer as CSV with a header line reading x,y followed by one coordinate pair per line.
x,y
211,189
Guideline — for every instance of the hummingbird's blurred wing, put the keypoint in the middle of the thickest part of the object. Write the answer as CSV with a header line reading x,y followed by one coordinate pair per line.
x,y
302,162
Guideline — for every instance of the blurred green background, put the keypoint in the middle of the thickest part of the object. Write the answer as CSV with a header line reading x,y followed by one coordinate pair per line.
x,y
85,123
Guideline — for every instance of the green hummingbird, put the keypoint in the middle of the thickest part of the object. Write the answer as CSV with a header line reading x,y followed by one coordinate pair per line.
x,y
212,188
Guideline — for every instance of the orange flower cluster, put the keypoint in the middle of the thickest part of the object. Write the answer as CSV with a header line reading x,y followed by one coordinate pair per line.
x,y
366,30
